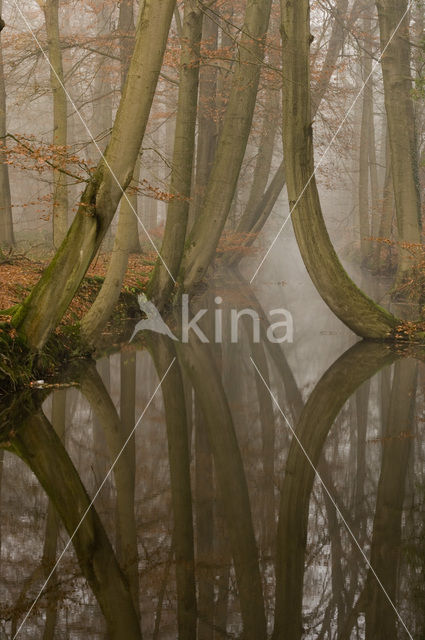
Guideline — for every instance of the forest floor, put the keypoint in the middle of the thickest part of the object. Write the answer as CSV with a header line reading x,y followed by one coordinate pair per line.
x,y
19,274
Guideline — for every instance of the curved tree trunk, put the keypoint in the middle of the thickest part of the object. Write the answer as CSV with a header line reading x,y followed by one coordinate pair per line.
x,y
43,309
343,297
172,248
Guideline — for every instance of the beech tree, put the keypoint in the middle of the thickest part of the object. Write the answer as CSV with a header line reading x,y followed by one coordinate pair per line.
x,y
346,300
42,310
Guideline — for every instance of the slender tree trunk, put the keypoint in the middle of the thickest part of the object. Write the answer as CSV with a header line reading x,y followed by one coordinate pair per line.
x,y
52,526
6,221
127,35
43,309
263,163
350,304
60,119
401,125
208,226
204,527
207,107
387,214
367,113
173,243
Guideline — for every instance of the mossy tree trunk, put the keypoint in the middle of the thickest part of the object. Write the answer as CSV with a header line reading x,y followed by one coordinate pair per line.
x,y
349,303
209,224
43,309
60,118
173,243
401,125
6,221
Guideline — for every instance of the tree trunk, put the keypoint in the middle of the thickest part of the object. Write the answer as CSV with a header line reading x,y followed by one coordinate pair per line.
x,y
401,125
350,304
43,309
367,114
6,221
60,119
208,226
127,35
99,313
173,243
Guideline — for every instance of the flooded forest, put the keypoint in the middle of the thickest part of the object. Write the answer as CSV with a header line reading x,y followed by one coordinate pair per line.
x,y
212,319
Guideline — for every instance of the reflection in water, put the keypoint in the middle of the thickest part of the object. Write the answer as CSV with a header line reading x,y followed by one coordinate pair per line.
x,y
213,523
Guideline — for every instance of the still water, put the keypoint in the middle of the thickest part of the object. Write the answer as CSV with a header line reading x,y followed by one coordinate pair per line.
x,y
259,491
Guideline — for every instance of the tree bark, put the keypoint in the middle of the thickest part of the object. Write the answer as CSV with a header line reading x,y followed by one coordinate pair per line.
x,y
6,221
173,243
349,303
208,226
48,301
401,125
60,119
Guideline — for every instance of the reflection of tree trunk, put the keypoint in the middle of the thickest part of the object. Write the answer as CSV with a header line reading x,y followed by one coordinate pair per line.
x,y
385,555
231,481
266,415
94,390
204,526
52,526
334,388
362,405
37,444
179,460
